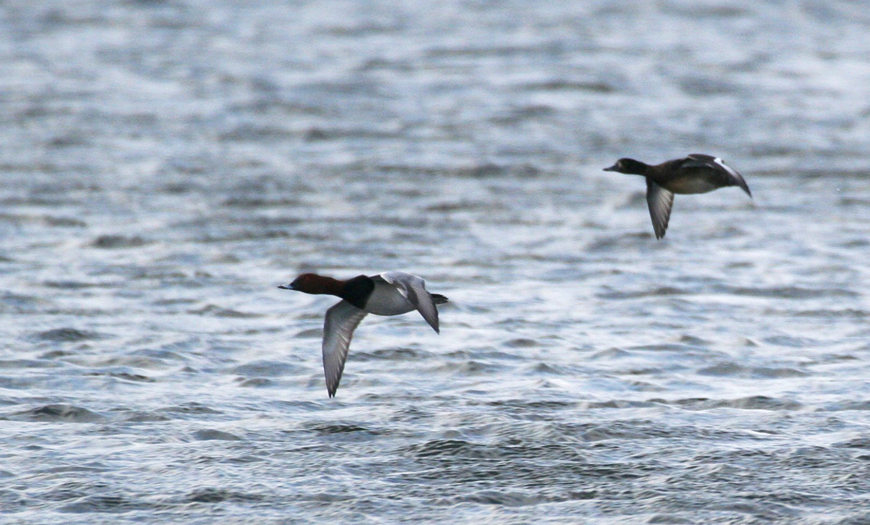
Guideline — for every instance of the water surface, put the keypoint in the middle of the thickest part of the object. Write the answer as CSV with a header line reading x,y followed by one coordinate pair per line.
x,y
166,164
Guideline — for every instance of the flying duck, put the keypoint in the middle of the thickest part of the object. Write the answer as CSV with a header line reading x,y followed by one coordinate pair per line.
x,y
389,293
696,173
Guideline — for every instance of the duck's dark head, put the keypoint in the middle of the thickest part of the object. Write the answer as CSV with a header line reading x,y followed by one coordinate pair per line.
x,y
629,166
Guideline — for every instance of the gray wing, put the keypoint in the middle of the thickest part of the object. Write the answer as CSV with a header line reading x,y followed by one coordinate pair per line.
x,y
413,288
660,201
341,320
731,176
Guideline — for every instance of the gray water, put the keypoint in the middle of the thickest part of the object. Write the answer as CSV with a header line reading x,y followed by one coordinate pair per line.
x,y
164,165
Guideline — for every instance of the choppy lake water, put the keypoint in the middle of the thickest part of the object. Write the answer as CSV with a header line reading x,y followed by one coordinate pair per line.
x,y
164,165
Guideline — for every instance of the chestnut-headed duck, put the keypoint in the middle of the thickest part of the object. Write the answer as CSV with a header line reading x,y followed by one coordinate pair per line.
x,y
697,173
389,293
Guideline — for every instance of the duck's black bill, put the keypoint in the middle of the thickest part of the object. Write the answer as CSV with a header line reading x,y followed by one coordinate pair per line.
x,y
612,168
286,287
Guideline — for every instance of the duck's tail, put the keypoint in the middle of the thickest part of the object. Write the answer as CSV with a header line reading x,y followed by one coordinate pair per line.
x,y
438,298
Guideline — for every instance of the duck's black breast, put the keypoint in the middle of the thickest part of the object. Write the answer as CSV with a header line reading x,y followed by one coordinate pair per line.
x,y
357,291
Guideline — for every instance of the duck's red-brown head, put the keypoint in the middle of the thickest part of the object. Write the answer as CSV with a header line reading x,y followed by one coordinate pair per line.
x,y
314,284
356,291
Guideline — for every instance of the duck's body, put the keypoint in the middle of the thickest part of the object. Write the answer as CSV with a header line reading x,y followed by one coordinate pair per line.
x,y
390,293
696,173
386,299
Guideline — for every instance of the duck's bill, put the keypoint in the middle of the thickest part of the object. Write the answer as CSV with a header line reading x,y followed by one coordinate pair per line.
x,y
612,168
286,287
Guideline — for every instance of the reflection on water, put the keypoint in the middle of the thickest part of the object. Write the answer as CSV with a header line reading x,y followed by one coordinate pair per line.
x,y
166,164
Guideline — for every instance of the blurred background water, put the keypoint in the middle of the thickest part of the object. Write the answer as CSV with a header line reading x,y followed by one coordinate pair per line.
x,y
164,164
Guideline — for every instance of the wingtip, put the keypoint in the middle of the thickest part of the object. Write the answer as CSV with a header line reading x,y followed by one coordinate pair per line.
x,y
437,298
331,386
331,389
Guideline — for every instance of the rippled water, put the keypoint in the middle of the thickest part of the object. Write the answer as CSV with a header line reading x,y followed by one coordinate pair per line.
x,y
165,164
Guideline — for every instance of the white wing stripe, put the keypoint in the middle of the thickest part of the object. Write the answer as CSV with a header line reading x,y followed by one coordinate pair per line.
x,y
726,167
660,202
413,288
341,321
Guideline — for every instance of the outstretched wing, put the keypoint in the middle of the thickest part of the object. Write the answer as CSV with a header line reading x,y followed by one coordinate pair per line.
x,y
660,202
733,178
341,320
413,288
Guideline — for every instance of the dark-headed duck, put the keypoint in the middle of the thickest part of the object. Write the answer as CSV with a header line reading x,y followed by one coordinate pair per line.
x,y
697,173
390,293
